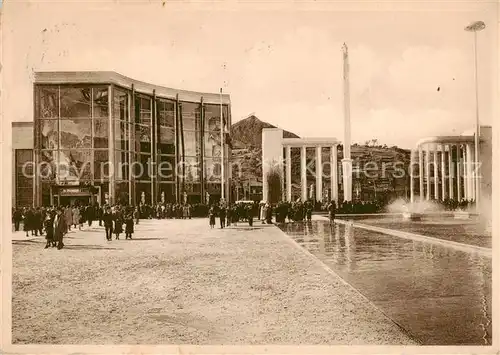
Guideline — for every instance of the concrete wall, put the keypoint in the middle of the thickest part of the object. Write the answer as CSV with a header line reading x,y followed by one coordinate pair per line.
x,y
22,135
22,138
272,154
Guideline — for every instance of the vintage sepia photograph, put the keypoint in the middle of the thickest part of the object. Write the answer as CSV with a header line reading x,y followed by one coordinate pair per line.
x,y
291,173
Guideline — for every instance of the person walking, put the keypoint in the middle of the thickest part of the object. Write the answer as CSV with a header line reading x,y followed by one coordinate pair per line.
x,y
136,215
308,208
269,214
17,216
211,217
107,219
59,227
118,227
129,226
222,216
82,218
75,216
331,211
100,211
90,214
249,212
49,231
38,222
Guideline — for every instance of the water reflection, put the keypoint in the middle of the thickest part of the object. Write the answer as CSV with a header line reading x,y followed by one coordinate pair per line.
x,y
442,296
442,227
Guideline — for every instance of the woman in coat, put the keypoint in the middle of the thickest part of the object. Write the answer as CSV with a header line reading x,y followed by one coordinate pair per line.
x,y
48,224
76,216
129,226
118,221
59,227
68,219
81,220
211,216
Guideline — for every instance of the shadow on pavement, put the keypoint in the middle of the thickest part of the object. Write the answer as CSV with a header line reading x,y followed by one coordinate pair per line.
x,y
88,247
146,238
30,241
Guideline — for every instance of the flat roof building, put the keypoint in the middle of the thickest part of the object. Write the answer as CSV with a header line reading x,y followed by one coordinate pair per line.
x,y
104,138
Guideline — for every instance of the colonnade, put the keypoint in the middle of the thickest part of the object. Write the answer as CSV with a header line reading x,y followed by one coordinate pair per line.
x,y
445,171
318,172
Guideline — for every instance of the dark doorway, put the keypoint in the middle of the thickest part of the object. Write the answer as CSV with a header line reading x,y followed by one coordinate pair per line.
x,y
74,200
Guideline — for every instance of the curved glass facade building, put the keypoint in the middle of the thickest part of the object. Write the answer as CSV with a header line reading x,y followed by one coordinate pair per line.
x,y
103,137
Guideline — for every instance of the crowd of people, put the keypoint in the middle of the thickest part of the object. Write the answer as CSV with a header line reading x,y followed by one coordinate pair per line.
x,y
173,210
55,222
454,205
265,212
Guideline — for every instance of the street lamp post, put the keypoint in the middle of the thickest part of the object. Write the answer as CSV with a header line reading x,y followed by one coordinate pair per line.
x,y
475,27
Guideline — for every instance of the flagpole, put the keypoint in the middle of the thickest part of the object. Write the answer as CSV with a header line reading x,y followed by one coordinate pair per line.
x,y
221,147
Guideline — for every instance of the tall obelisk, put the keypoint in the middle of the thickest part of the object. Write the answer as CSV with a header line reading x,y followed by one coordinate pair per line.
x,y
347,161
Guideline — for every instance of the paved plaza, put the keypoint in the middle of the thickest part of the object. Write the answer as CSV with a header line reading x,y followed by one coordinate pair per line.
x,y
178,282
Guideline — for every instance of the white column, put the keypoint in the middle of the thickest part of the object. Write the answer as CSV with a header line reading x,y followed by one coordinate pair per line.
x,y
428,171
451,171
288,173
443,173
436,173
421,172
464,172
319,175
303,173
472,176
347,161
282,175
412,162
333,172
469,171
459,172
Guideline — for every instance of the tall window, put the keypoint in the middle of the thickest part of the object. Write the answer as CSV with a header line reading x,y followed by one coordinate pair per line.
x,y
166,127
212,144
24,177
143,123
72,127
191,142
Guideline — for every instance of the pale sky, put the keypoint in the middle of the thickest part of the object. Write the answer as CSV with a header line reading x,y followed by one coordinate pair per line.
x,y
281,62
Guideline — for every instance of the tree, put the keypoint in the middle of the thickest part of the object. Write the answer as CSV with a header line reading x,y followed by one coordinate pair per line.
x,y
273,178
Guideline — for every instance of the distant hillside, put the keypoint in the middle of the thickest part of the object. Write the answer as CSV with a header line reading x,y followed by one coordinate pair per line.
x,y
248,132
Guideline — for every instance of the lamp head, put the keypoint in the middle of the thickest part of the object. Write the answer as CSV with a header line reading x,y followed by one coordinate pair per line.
x,y
475,26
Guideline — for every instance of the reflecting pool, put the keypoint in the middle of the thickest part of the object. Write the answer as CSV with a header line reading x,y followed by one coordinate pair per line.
x,y
447,228
441,296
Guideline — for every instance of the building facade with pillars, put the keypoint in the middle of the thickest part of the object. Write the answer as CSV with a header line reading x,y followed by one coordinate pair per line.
x,y
107,138
277,154
444,168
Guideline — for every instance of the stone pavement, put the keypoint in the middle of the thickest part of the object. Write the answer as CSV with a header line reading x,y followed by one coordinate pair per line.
x,y
178,282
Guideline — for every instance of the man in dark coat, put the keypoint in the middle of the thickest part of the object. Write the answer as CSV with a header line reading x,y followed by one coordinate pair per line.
x,y
89,214
331,211
28,221
107,218
308,209
269,214
249,212
222,216
17,217
59,228
49,230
